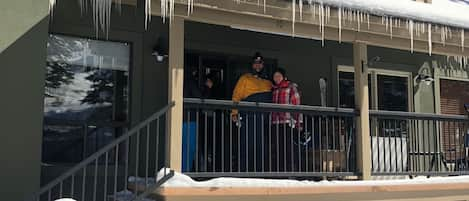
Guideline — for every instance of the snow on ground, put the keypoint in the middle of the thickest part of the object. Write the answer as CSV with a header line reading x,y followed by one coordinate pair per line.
x,y
446,12
181,180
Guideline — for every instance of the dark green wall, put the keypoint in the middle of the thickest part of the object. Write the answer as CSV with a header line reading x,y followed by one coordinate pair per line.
x,y
22,54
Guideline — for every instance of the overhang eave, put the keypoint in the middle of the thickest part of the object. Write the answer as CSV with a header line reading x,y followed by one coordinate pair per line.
x,y
278,19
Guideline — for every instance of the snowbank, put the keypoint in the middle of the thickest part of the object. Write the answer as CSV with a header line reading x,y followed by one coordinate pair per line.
x,y
181,180
440,11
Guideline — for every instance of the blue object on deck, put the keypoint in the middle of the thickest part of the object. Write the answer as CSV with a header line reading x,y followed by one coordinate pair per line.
x,y
188,145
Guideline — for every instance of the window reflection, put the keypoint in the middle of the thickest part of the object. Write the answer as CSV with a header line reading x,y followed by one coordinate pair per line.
x,y
86,93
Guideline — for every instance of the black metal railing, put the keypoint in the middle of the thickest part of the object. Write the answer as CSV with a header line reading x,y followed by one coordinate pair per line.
x,y
405,143
267,140
126,168
70,141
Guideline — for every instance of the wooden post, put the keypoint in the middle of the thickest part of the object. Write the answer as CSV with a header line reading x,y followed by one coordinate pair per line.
x,y
175,93
361,103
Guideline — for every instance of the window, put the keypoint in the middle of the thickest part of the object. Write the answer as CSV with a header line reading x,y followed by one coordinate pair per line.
x,y
86,96
393,93
347,89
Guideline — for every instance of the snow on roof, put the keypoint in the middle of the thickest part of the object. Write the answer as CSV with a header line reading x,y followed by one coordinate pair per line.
x,y
445,12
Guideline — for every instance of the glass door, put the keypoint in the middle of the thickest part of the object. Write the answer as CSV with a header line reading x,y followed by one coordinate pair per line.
x,y
85,98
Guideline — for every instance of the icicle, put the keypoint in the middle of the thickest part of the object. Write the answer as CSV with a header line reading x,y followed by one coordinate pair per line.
x,y
339,16
148,12
51,7
442,34
322,23
462,40
328,14
386,21
368,20
293,4
430,39
301,10
417,29
102,16
264,5
358,20
390,27
314,11
411,31
82,6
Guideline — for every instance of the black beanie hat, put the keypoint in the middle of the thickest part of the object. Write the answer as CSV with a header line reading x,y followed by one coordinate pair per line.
x,y
281,71
257,56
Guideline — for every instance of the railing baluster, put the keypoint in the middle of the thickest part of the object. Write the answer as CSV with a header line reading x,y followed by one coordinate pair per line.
x,y
321,158
292,149
72,186
126,168
402,146
277,148
157,147
116,169
396,136
197,140
231,142
270,142
106,161
60,189
239,142
284,148
254,125
334,148
298,162
188,137
137,161
147,153
214,141
83,187
222,116
205,142
95,183
305,130
262,141
246,135
313,144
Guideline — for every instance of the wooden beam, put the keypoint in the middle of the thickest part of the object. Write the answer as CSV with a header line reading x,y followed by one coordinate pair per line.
x,y
277,20
360,62
175,93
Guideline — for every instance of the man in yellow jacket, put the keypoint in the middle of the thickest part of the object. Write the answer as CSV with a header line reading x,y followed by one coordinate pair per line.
x,y
252,87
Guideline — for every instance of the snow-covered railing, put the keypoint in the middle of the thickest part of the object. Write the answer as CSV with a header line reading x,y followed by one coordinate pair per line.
x,y
406,143
105,174
267,140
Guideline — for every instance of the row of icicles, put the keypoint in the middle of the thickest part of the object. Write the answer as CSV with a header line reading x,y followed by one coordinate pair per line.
x,y
321,13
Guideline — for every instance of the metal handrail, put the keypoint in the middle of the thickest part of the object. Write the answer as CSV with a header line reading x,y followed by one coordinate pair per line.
x,y
101,152
415,115
271,107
